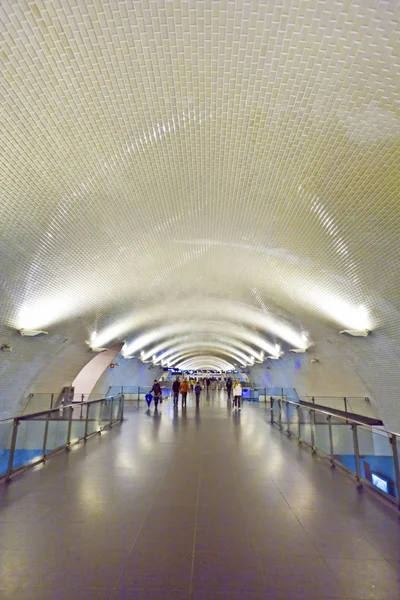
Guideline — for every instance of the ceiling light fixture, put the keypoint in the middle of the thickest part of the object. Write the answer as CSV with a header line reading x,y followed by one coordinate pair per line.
x,y
32,332
356,332
298,350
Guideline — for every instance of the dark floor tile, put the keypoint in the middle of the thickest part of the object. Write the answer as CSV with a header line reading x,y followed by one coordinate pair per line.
x,y
227,572
98,569
152,570
166,540
223,541
150,595
362,579
212,595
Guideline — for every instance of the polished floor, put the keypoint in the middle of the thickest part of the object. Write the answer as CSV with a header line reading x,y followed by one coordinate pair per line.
x,y
203,504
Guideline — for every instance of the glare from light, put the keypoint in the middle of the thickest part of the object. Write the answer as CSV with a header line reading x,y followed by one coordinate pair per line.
x,y
351,317
44,313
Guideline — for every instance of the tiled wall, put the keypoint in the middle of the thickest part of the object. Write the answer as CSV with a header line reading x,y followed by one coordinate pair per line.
x,y
127,373
347,367
40,364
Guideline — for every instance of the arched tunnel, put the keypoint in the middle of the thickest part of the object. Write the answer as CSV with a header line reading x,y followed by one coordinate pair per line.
x,y
200,186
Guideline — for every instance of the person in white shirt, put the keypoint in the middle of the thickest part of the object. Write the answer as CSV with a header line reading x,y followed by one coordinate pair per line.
x,y
237,394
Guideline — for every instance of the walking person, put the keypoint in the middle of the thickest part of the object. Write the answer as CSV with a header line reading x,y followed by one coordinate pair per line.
x,y
176,386
156,390
237,394
185,387
229,387
197,391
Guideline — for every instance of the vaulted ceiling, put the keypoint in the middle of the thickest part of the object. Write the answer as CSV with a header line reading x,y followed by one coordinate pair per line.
x,y
211,180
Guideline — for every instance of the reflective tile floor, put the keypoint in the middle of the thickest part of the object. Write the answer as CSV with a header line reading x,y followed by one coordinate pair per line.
x,y
202,505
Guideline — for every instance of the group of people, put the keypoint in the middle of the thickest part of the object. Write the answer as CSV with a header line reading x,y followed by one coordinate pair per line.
x,y
186,386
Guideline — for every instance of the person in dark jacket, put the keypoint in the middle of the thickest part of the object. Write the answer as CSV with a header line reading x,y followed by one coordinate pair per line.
x,y
156,390
176,386
197,391
229,387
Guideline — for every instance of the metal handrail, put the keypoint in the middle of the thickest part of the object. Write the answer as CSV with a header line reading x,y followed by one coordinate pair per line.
x,y
354,425
103,422
58,408
347,419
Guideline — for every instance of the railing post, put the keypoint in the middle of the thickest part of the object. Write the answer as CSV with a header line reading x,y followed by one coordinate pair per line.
x,y
138,393
121,414
356,454
12,449
68,444
87,420
271,399
312,431
298,422
393,441
280,414
313,399
111,409
265,395
332,450
345,405
288,418
51,401
46,429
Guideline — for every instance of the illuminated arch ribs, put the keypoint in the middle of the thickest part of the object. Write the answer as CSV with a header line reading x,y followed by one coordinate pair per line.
x,y
188,327
198,351
206,362
235,330
229,342
177,350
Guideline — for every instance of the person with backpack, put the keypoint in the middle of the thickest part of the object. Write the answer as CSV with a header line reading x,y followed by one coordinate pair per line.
x,y
176,386
185,387
237,394
197,391
156,390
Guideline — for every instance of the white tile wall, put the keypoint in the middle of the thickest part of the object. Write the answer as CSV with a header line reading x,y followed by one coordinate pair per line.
x,y
161,154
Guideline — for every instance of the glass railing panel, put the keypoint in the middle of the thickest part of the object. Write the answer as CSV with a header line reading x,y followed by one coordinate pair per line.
x,y
283,413
376,459
94,422
361,406
116,410
293,419
78,422
37,402
321,433
105,411
305,426
57,430
6,428
343,444
29,442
